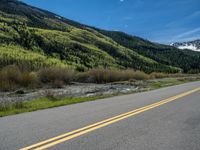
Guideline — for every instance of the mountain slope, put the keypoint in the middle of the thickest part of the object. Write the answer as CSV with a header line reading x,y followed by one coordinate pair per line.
x,y
28,30
168,55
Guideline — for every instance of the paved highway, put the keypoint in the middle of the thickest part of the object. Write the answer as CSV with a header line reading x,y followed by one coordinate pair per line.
x,y
164,119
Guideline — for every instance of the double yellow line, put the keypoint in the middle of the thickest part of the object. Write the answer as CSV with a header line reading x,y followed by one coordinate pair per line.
x,y
73,134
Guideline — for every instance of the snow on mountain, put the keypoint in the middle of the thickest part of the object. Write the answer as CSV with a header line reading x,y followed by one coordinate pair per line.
x,y
192,45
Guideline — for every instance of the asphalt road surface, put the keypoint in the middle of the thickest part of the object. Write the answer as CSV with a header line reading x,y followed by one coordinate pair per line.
x,y
164,119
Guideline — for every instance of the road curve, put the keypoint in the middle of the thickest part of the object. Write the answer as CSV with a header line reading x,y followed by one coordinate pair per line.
x,y
167,118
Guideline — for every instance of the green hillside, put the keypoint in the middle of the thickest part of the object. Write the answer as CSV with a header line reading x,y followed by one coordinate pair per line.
x,y
186,59
35,38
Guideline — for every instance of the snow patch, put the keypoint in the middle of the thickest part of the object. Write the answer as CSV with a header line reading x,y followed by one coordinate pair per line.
x,y
187,46
58,17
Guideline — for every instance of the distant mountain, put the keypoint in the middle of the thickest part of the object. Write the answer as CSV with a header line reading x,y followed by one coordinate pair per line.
x,y
35,38
191,45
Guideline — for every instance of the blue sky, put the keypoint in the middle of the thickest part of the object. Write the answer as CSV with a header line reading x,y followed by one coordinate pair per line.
x,y
163,21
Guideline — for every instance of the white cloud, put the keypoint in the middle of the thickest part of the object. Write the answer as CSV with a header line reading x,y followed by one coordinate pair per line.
x,y
121,0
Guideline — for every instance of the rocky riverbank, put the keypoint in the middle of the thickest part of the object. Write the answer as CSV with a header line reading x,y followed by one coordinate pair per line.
x,y
73,90
90,89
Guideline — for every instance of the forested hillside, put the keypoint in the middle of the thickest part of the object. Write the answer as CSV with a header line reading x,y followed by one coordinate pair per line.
x,y
188,60
33,38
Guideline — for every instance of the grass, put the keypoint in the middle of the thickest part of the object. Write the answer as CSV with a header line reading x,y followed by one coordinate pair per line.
x,y
42,103
165,83
171,82
50,102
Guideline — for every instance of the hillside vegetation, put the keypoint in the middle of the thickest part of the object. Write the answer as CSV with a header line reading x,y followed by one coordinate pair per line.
x,y
13,77
29,34
188,60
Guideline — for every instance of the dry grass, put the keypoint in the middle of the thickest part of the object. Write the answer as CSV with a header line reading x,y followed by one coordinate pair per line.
x,y
83,77
112,75
158,75
11,77
55,75
28,79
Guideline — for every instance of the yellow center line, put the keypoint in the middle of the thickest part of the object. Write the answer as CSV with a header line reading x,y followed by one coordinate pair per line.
x,y
76,133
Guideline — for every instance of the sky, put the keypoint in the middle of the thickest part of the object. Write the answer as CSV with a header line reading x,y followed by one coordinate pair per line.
x,y
163,21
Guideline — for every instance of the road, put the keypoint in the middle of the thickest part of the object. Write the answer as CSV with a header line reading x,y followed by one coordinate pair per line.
x,y
163,119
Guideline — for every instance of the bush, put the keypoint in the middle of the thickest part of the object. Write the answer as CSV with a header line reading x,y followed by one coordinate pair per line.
x,y
100,75
58,84
10,73
137,75
81,68
6,85
28,79
83,77
157,75
11,77
52,75
112,75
